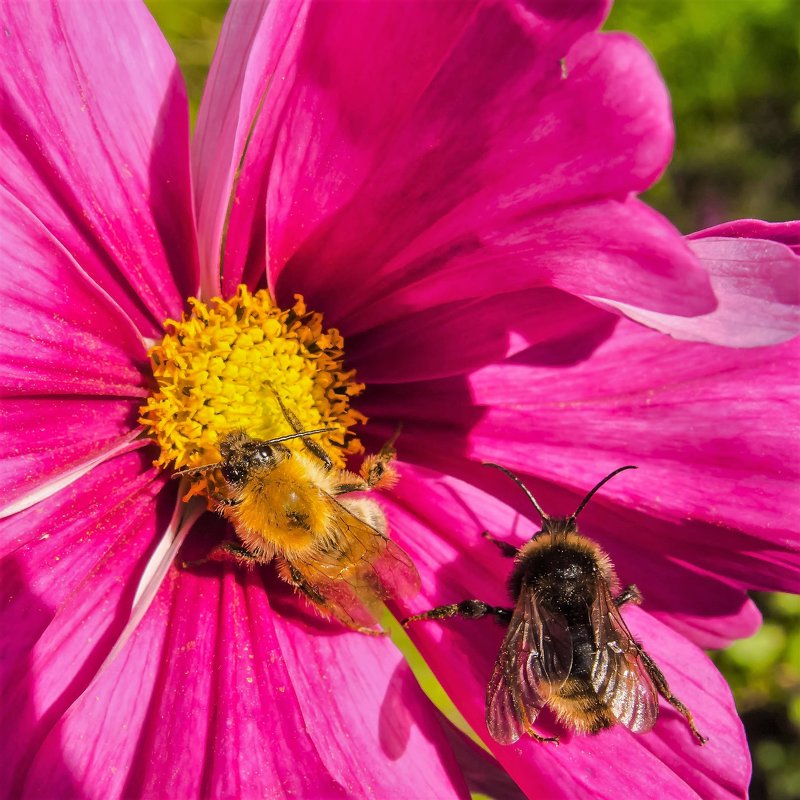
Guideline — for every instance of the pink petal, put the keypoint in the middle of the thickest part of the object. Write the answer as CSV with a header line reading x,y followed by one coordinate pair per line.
x,y
373,111
552,248
342,151
369,688
70,350
697,419
704,604
441,531
271,705
483,773
455,338
787,233
60,333
325,55
757,284
705,516
94,141
713,431
69,573
470,194
337,82
601,251
255,56
47,439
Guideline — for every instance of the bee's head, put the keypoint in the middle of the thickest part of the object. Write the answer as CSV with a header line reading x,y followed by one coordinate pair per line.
x,y
241,454
558,527
255,455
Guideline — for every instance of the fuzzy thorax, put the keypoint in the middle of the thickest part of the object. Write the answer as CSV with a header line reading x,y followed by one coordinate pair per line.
x,y
284,510
562,566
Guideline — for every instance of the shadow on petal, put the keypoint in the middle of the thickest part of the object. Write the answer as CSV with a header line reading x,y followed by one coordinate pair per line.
x,y
17,660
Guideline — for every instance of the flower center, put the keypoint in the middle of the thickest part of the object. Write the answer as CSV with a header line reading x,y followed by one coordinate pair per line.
x,y
219,368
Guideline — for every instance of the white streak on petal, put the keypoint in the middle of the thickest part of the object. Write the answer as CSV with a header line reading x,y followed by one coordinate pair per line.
x,y
183,518
57,482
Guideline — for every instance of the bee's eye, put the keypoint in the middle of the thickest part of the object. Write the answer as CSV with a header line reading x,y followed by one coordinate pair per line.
x,y
263,455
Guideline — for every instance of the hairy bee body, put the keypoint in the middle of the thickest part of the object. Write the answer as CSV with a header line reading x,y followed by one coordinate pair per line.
x,y
294,507
562,566
563,569
283,507
566,645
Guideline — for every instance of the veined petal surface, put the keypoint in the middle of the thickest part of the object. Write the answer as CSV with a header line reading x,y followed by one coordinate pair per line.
x,y
416,199
275,706
69,569
95,144
756,280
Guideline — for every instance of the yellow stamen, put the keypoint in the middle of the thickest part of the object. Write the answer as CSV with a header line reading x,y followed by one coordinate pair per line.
x,y
214,369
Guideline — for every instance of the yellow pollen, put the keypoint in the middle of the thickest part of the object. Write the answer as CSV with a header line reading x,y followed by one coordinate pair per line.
x,y
216,370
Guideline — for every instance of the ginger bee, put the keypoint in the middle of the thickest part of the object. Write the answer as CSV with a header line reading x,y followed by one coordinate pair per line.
x,y
567,645
292,507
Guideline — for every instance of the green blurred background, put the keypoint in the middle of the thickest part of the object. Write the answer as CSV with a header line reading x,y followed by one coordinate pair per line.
x,y
733,70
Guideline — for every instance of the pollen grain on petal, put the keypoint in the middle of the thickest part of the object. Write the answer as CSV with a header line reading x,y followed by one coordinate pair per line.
x,y
219,368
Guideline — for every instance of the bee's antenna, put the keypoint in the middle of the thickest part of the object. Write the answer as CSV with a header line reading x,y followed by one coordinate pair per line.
x,y
298,435
522,486
186,470
591,494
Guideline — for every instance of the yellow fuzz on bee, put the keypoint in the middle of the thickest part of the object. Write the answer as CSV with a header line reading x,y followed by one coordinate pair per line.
x,y
216,370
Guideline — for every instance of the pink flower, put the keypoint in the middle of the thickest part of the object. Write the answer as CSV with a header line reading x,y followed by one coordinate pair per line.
x,y
461,205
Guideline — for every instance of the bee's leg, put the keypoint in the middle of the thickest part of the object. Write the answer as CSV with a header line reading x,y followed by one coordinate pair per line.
x,y
304,586
471,609
221,500
227,551
553,739
376,471
662,687
505,548
313,447
630,594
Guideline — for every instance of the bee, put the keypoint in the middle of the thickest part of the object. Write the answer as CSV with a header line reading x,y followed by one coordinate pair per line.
x,y
566,645
293,508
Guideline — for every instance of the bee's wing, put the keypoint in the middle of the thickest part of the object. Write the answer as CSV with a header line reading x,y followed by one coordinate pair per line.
x,y
618,674
535,659
358,566
504,722
342,598
385,566
393,572
549,654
